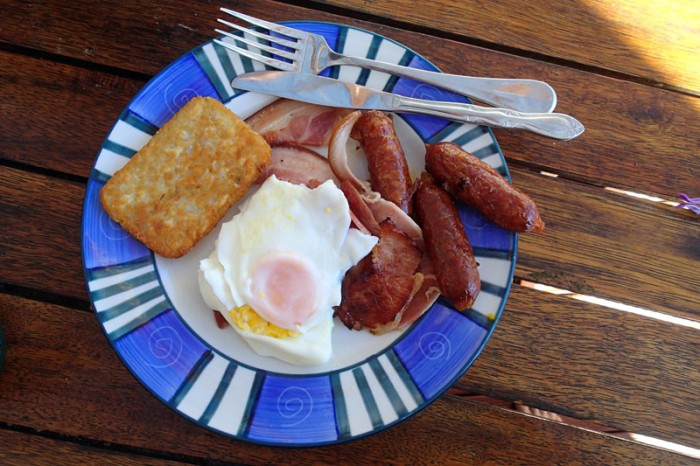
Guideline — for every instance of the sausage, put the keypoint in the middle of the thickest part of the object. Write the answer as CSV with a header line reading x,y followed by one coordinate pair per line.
x,y
476,183
376,290
386,161
447,243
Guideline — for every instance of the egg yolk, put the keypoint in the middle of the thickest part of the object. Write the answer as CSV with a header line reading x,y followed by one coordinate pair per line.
x,y
247,319
284,290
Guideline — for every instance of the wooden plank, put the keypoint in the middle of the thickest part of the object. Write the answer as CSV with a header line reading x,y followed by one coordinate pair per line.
x,y
77,386
22,448
653,137
41,233
642,39
652,40
594,363
59,114
592,243
563,257
111,38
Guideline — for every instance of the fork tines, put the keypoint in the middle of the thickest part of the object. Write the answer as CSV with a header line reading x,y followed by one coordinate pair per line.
x,y
278,48
287,31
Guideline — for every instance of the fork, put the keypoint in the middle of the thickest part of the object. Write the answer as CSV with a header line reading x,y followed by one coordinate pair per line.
x,y
305,52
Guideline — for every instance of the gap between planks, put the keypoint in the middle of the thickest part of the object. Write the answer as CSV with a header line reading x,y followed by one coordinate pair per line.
x,y
578,423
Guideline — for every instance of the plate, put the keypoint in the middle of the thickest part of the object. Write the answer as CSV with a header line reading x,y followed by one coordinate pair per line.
x,y
152,314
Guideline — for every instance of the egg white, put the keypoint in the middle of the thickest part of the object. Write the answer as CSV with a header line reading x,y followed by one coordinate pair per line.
x,y
280,216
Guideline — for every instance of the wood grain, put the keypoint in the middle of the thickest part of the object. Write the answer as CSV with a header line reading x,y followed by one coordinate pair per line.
x,y
593,242
594,363
60,114
119,37
628,70
22,448
658,41
41,233
612,246
653,135
78,386
644,39
575,253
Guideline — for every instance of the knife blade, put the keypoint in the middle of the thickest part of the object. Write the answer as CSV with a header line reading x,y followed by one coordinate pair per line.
x,y
331,92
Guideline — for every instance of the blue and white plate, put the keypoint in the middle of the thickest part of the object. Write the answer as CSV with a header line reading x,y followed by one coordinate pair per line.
x,y
152,313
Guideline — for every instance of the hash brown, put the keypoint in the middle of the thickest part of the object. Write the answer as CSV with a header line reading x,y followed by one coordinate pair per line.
x,y
183,181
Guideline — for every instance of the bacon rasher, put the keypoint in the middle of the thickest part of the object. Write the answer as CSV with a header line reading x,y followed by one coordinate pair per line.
x,y
395,284
299,165
288,121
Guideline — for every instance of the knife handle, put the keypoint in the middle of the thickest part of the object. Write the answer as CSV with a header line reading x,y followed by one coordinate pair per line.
x,y
553,125
524,95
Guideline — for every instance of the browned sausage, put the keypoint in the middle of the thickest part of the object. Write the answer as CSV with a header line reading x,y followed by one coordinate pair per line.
x,y
386,161
376,290
475,182
447,243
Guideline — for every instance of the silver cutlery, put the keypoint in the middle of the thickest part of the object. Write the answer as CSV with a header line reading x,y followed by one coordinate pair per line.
x,y
326,91
309,53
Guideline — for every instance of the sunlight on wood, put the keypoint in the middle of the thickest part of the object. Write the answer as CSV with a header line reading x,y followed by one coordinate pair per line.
x,y
682,449
644,197
644,27
580,423
613,305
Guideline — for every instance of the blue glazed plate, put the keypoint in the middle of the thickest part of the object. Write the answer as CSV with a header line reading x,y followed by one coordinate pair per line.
x,y
151,311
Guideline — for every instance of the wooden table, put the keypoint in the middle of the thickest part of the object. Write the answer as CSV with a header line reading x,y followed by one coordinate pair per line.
x,y
599,339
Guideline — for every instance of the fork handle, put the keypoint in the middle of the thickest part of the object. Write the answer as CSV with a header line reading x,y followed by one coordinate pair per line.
x,y
553,125
523,95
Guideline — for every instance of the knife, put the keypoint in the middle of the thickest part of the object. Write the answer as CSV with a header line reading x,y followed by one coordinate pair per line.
x,y
331,92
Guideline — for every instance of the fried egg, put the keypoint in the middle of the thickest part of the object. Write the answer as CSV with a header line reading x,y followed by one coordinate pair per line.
x,y
277,267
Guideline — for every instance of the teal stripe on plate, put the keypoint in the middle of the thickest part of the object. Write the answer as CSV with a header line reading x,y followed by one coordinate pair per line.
x,y
444,133
406,58
390,83
153,312
493,253
137,122
389,389
486,151
98,176
341,408
405,377
469,136
248,64
478,318
225,60
191,378
374,47
363,77
129,304
123,286
209,70
372,55
118,148
367,398
110,270
253,398
245,61
342,38
497,290
393,79
219,394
